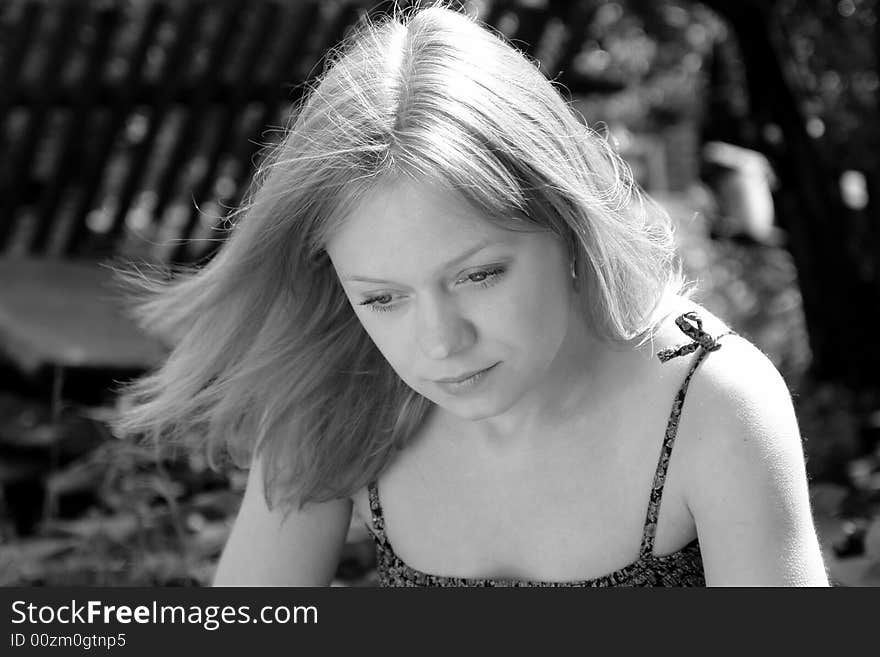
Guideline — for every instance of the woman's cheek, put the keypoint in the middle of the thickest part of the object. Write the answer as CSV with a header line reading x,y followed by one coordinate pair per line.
x,y
391,341
529,303
538,313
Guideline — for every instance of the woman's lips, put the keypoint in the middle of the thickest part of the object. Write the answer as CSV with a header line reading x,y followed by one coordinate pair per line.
x,y
465,382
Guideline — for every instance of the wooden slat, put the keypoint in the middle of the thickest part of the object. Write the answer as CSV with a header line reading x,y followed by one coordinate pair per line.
x,y
339,25
196,115
75,132
15,54
263,31
15,176
280,78
95,167
172,73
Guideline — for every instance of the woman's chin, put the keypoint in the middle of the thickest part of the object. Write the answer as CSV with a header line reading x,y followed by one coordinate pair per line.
x,y
473,408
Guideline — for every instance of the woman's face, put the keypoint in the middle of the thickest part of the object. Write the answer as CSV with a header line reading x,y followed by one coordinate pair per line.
x,y
469,314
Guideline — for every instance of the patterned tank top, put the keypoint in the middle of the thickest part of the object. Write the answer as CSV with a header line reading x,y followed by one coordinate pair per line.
x,y
681,568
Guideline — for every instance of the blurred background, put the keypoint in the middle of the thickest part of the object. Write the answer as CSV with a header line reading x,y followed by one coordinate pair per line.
x,y
129,128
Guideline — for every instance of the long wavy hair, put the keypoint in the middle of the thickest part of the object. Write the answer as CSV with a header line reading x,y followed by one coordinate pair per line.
x,y
268,356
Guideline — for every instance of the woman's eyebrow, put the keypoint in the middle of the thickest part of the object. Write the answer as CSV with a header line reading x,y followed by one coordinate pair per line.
x,y
479,246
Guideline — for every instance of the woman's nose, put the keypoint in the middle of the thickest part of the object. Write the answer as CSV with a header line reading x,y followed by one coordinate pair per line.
x,y
443,331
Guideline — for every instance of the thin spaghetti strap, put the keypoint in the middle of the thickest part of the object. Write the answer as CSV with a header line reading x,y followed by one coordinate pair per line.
x,y
692,326
378,528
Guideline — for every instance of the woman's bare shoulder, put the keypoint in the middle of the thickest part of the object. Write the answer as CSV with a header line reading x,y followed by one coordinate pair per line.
x,y
736,388
736,374
745,479
738,414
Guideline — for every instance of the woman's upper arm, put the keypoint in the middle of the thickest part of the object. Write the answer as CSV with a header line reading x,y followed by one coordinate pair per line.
x,y
747,484
270,548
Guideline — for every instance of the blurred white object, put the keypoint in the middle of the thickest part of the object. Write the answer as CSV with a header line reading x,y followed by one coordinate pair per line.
x,y
854,189
744,190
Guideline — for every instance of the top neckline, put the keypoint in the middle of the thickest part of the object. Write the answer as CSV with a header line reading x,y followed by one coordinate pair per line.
x,y
692,326
687,554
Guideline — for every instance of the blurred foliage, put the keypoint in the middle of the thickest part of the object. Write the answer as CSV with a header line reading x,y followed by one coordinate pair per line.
x,y
677,61
833,48
118,515
656,52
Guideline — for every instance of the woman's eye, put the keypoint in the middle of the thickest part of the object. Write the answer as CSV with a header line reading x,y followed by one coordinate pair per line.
x,y
485,277
379,303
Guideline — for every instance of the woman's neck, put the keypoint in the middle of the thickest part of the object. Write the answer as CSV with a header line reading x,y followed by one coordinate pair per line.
x,y
575,381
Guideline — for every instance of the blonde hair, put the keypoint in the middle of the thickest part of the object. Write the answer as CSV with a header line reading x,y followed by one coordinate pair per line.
x,y
269,354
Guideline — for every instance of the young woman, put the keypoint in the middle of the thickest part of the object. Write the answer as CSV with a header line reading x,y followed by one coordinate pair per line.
x,y
442,309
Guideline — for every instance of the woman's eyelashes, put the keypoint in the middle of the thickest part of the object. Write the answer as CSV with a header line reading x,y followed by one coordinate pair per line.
x,y
380,303
483,277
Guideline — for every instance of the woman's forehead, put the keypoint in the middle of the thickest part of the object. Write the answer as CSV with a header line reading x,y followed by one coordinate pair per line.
x,y
413,229
405,212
